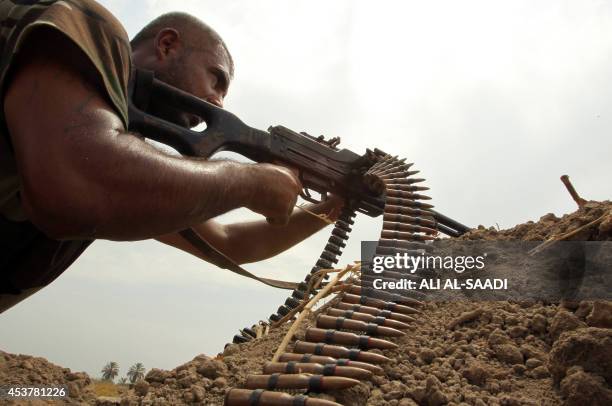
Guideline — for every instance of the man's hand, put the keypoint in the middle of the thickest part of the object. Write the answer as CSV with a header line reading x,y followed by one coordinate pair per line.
x,y
275,192
335,204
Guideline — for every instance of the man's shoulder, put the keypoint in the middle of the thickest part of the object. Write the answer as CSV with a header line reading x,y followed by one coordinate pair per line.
x,y
86,23
83,36
102,38
90,12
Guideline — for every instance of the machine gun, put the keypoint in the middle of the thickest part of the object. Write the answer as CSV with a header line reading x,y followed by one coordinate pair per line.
x,y
323,167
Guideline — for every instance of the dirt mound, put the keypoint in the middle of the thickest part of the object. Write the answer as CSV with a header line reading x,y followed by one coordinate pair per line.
x,y
550,225
499,355
458,353
25,370
503,354
204,380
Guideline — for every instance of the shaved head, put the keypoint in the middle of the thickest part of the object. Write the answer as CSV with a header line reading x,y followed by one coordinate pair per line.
x,y
195,33
188,54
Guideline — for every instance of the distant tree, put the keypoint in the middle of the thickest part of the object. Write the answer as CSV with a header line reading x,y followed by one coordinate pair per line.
x,y
136,372
123,381
110,371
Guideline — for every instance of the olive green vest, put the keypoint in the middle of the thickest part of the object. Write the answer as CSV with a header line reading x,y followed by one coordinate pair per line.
x,y
29,260
88,25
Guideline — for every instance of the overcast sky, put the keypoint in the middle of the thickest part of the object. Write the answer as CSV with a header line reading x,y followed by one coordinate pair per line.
x,y
492,100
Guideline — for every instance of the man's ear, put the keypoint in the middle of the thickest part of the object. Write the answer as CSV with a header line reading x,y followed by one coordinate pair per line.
x,y
167,42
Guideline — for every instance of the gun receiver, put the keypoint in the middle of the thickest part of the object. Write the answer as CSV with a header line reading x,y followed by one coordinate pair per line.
x,y
323,167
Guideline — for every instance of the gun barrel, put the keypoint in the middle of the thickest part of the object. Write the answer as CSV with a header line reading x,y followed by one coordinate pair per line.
x,y
450,223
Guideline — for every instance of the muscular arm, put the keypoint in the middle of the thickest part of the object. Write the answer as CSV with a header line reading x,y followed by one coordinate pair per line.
x,y
256,240
83,176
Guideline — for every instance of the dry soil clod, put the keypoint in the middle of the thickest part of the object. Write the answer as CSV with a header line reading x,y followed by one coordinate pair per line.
x,y
464,318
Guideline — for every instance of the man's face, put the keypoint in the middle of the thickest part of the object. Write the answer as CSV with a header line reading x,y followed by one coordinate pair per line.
x,y
203,72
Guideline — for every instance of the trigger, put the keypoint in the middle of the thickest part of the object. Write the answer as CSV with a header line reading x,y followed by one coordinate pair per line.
x,y
305,194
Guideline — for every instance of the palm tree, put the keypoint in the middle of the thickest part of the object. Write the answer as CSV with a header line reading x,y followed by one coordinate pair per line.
x,y
136,372
110,371
123,381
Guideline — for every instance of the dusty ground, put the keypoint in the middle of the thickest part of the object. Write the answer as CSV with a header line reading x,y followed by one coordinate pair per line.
x,y
16,370
508,354
460,353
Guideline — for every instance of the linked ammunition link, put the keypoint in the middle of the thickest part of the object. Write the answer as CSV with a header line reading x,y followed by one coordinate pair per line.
x,y
407,224
333,357
335,353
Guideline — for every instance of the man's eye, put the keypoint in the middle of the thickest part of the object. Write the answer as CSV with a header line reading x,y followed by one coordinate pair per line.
x,y
221,81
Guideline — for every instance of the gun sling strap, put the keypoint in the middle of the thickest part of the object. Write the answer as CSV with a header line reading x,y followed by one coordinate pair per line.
x,y
219,259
